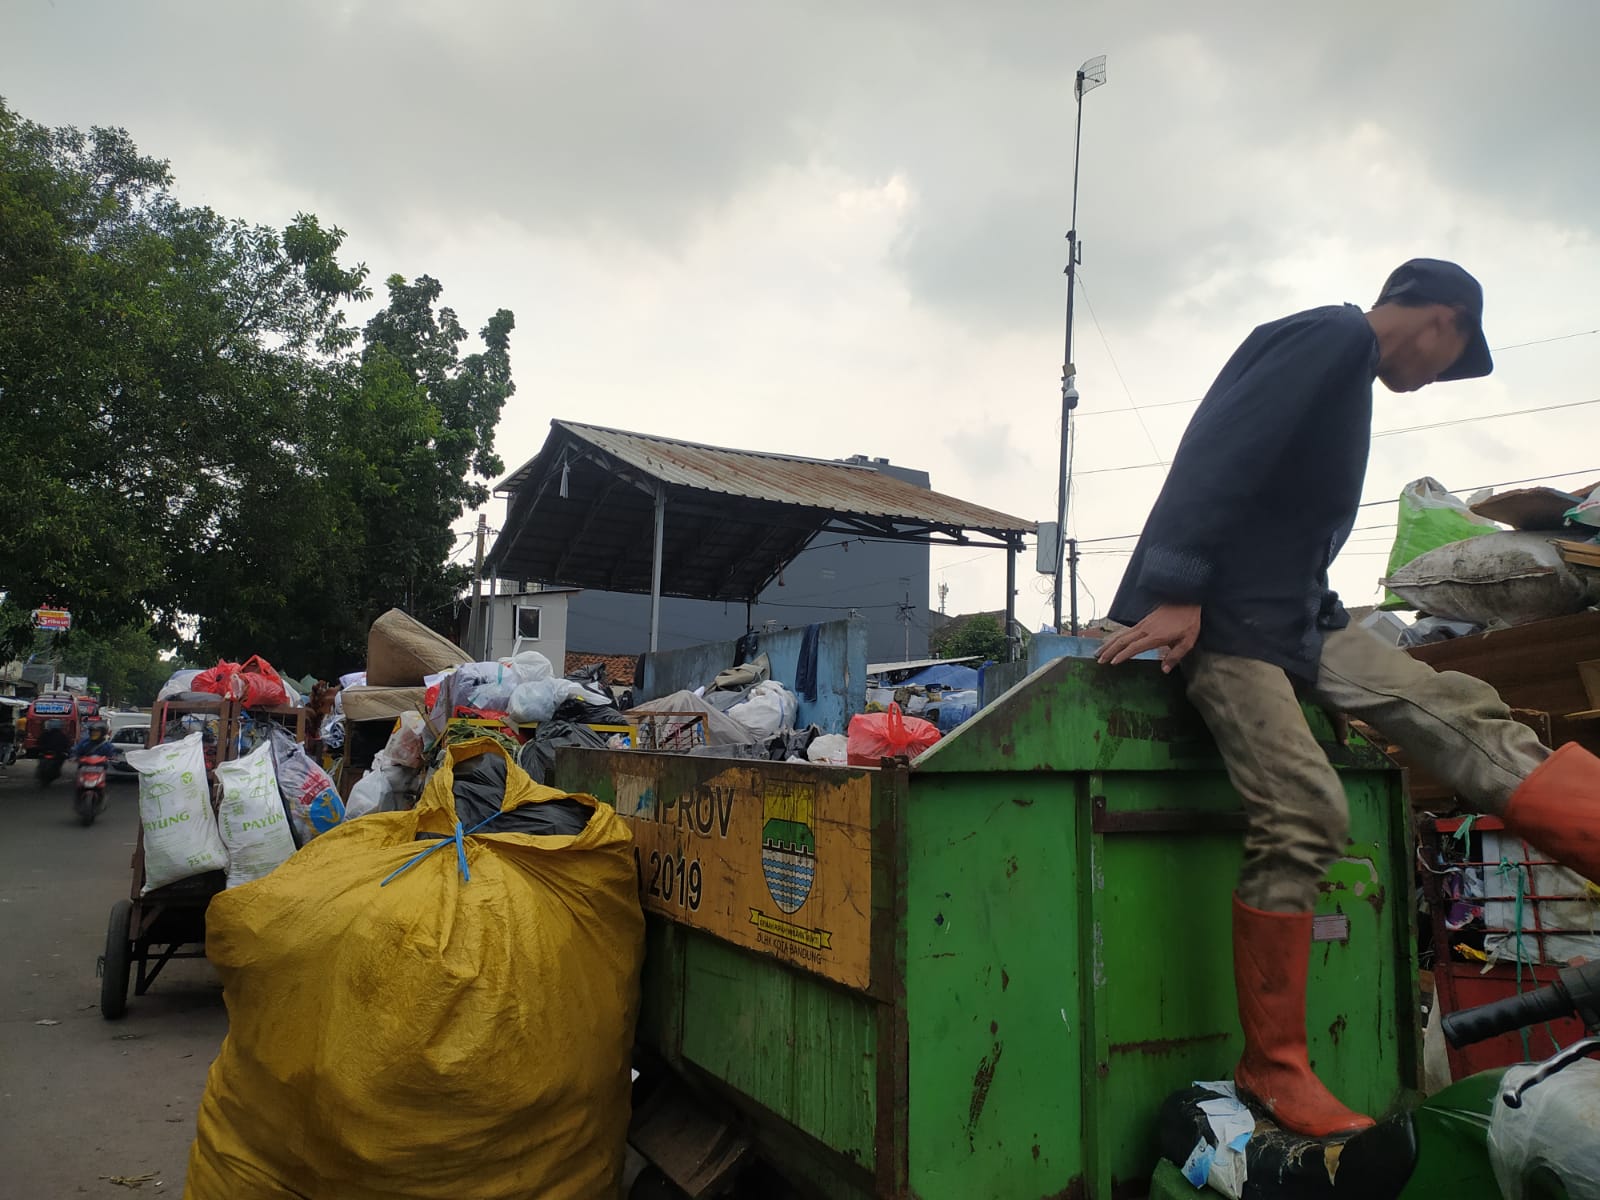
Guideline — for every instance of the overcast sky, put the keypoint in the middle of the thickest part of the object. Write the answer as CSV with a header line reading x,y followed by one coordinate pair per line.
x,y
837,227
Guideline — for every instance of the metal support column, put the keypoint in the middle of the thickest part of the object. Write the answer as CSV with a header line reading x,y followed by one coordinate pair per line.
x,y
655,569
488,615
1012,640
1072,575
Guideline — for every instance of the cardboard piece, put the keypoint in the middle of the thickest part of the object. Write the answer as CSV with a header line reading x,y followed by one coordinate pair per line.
x,y
401,651
1529,508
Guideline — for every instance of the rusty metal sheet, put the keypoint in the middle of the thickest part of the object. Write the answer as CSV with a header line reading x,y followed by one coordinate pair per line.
x,y
842,487
582,513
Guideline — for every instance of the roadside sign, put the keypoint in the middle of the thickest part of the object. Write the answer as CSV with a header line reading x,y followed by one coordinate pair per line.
x,y
58,619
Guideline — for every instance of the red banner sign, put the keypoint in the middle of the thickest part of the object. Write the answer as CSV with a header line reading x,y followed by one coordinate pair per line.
x,y
58,619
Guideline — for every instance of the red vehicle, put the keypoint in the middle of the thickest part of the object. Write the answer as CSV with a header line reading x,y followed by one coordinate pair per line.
x,y
90,796
72,711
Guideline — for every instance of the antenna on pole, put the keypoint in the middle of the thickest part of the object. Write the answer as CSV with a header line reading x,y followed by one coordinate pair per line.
x,y
1090,76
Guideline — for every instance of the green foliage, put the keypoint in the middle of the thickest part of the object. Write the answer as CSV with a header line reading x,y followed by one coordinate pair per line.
x,y
126,664
197,441
980,635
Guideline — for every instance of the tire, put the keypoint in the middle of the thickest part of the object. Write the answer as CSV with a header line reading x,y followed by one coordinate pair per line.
x,y
118,961
83,804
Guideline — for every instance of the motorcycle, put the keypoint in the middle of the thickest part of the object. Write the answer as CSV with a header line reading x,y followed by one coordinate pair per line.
x,y
90,798
1524,1131
1529,1132
49,768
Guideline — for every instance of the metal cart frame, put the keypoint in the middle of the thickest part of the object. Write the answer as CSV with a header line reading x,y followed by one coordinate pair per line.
x,y
150,929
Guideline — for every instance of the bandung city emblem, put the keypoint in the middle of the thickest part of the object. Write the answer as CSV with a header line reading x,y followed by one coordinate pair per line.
x,y
789,843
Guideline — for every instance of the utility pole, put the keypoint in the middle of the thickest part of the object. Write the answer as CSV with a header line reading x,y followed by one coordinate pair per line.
x,y
905,619
475,622
1090,76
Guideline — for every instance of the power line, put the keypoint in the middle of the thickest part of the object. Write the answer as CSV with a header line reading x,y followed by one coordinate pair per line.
x,y
1486,417
1126,391
1123,537
1545,341
1519,412
1505,483
1105,412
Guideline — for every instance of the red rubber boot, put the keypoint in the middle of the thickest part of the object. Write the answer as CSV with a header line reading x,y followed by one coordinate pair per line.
x,y
1271,955
1557,808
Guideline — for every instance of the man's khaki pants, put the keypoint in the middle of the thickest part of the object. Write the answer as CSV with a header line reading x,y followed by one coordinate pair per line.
x,y
1453,726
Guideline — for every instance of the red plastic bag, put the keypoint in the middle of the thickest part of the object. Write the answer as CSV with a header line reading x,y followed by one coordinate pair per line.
x,y
255,683
876,736
260,684
218,680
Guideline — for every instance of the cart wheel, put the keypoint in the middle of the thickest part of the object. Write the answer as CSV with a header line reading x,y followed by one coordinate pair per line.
x,y
117,962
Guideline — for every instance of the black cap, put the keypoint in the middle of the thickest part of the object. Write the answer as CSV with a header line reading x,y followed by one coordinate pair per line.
x,y
1434,281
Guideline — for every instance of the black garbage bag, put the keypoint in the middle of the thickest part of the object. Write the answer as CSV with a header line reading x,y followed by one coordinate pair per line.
x,y
538,755
585,712
791,743
1426,630
1371,1165
592,677
480,789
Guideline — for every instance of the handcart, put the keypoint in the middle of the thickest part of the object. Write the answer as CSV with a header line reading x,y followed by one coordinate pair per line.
x,y
150,929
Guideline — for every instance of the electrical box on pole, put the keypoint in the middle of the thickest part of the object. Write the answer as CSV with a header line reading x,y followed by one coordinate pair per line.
x,y
1047,557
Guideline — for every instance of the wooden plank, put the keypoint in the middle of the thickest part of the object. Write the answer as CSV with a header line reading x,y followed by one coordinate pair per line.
x,y
1532,666
1578,554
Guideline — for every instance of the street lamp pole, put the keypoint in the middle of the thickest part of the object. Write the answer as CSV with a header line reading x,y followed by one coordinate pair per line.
x,y
1090,76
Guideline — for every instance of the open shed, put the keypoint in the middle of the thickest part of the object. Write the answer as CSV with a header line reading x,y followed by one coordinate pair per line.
x,y
634,512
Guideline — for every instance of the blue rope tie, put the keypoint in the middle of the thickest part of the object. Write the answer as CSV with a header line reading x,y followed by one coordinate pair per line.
x,y
458,840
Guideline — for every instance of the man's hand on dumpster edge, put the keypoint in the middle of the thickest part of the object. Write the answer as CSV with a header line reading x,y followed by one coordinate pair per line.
x,y
1171,628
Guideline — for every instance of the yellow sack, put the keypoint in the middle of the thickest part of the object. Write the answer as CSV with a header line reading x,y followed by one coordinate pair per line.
x,y
433,1038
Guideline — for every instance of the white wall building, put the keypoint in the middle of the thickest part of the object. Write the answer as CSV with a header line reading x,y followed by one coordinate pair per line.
x,y
526,620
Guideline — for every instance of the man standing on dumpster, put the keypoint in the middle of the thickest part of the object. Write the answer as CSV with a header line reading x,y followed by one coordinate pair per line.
x,y
1230,580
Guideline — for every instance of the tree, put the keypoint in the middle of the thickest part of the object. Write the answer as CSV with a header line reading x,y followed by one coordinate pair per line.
x,y
155,363
977,636
397,449
126,665
197,441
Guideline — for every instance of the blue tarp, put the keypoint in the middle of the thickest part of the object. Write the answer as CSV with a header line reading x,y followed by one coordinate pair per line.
x,y
954,676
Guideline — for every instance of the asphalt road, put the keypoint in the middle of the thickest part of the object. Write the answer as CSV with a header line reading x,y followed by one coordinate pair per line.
x,y
84,1099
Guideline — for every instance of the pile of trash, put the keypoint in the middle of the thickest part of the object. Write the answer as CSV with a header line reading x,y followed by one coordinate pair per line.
x,y
255,683
944,694
425,892
1492,561
434,1001
271,801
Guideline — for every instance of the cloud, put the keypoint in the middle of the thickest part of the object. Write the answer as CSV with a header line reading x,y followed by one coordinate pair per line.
x,y
839,227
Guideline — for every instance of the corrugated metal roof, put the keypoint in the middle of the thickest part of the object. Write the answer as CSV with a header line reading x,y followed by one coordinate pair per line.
x,y
582,513
837,487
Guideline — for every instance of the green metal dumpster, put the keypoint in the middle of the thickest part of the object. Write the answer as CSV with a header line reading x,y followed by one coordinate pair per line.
x,y
980,975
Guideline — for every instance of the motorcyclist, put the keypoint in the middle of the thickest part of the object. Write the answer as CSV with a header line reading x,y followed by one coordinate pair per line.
x,y
54,740
96,740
